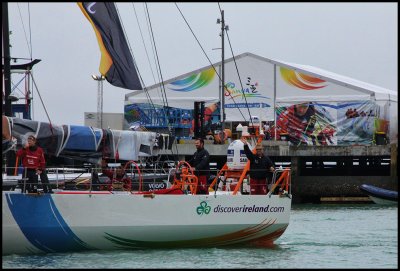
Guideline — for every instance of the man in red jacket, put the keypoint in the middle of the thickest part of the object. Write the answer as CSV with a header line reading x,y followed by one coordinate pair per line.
x,y
33,160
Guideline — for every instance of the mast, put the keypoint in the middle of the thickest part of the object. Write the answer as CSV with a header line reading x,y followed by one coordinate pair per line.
x,y
10,156
6,60
223,28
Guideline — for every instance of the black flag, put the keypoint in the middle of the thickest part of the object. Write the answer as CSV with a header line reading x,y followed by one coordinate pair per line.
x,y
116,62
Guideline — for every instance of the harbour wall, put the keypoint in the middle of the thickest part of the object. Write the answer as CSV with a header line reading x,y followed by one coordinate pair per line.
x,y
318,172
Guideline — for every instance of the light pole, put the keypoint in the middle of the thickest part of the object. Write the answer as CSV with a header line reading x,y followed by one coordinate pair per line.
x,y
99,115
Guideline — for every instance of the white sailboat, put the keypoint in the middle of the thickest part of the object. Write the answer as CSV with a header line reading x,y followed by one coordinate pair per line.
x,y
128,218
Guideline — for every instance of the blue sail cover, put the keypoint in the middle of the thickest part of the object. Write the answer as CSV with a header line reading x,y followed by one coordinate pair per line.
x,y
82,138
86,143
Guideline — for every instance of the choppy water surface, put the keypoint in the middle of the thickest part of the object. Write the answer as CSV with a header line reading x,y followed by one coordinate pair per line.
x,y
318,236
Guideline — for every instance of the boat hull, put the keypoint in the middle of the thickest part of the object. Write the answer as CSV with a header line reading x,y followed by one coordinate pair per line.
x,y
382,201
76,221
379,195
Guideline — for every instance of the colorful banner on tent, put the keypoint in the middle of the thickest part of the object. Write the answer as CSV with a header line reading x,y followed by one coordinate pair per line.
x,y
356,122
116,62
334,123
140,116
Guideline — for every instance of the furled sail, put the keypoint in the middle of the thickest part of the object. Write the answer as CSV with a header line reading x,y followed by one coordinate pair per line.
x,y
116,62
83,143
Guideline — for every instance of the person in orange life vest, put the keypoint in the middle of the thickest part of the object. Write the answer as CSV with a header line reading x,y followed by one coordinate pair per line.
x,y
33,160
260,167
298,121
201,162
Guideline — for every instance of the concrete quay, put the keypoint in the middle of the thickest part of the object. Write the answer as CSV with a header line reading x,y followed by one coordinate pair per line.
x,y
319,172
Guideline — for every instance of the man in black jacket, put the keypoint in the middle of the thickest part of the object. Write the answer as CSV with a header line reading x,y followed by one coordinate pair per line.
x,y
260,168
201,162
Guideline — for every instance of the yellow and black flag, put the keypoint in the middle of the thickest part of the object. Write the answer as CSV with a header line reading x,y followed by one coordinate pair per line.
x,y
116,62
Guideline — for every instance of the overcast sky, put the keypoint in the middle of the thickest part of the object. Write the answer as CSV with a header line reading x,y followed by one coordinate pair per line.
x,y
358,40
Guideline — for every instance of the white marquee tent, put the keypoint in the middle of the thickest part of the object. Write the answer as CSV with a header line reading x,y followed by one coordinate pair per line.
x,y
263,85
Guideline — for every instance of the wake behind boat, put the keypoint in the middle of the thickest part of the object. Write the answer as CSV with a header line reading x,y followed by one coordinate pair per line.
x,y
380,195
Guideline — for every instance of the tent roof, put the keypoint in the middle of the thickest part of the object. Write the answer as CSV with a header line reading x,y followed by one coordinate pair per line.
x,y
342,80
363,87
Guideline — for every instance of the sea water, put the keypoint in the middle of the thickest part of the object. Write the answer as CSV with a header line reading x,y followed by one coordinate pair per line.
x,y
318,236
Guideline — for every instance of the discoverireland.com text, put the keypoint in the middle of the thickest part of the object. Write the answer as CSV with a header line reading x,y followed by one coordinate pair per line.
x,y
248,209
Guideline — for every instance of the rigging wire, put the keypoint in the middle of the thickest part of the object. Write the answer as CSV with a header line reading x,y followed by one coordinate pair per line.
x,y
40,96
130,48
233,99
148,59
237,70
134,61
23,27
158,60
28,74
137,68
30,30
165,102
154,59
15,85
144,44
154,53
155,62
133,57
131,51
129,45
240,80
